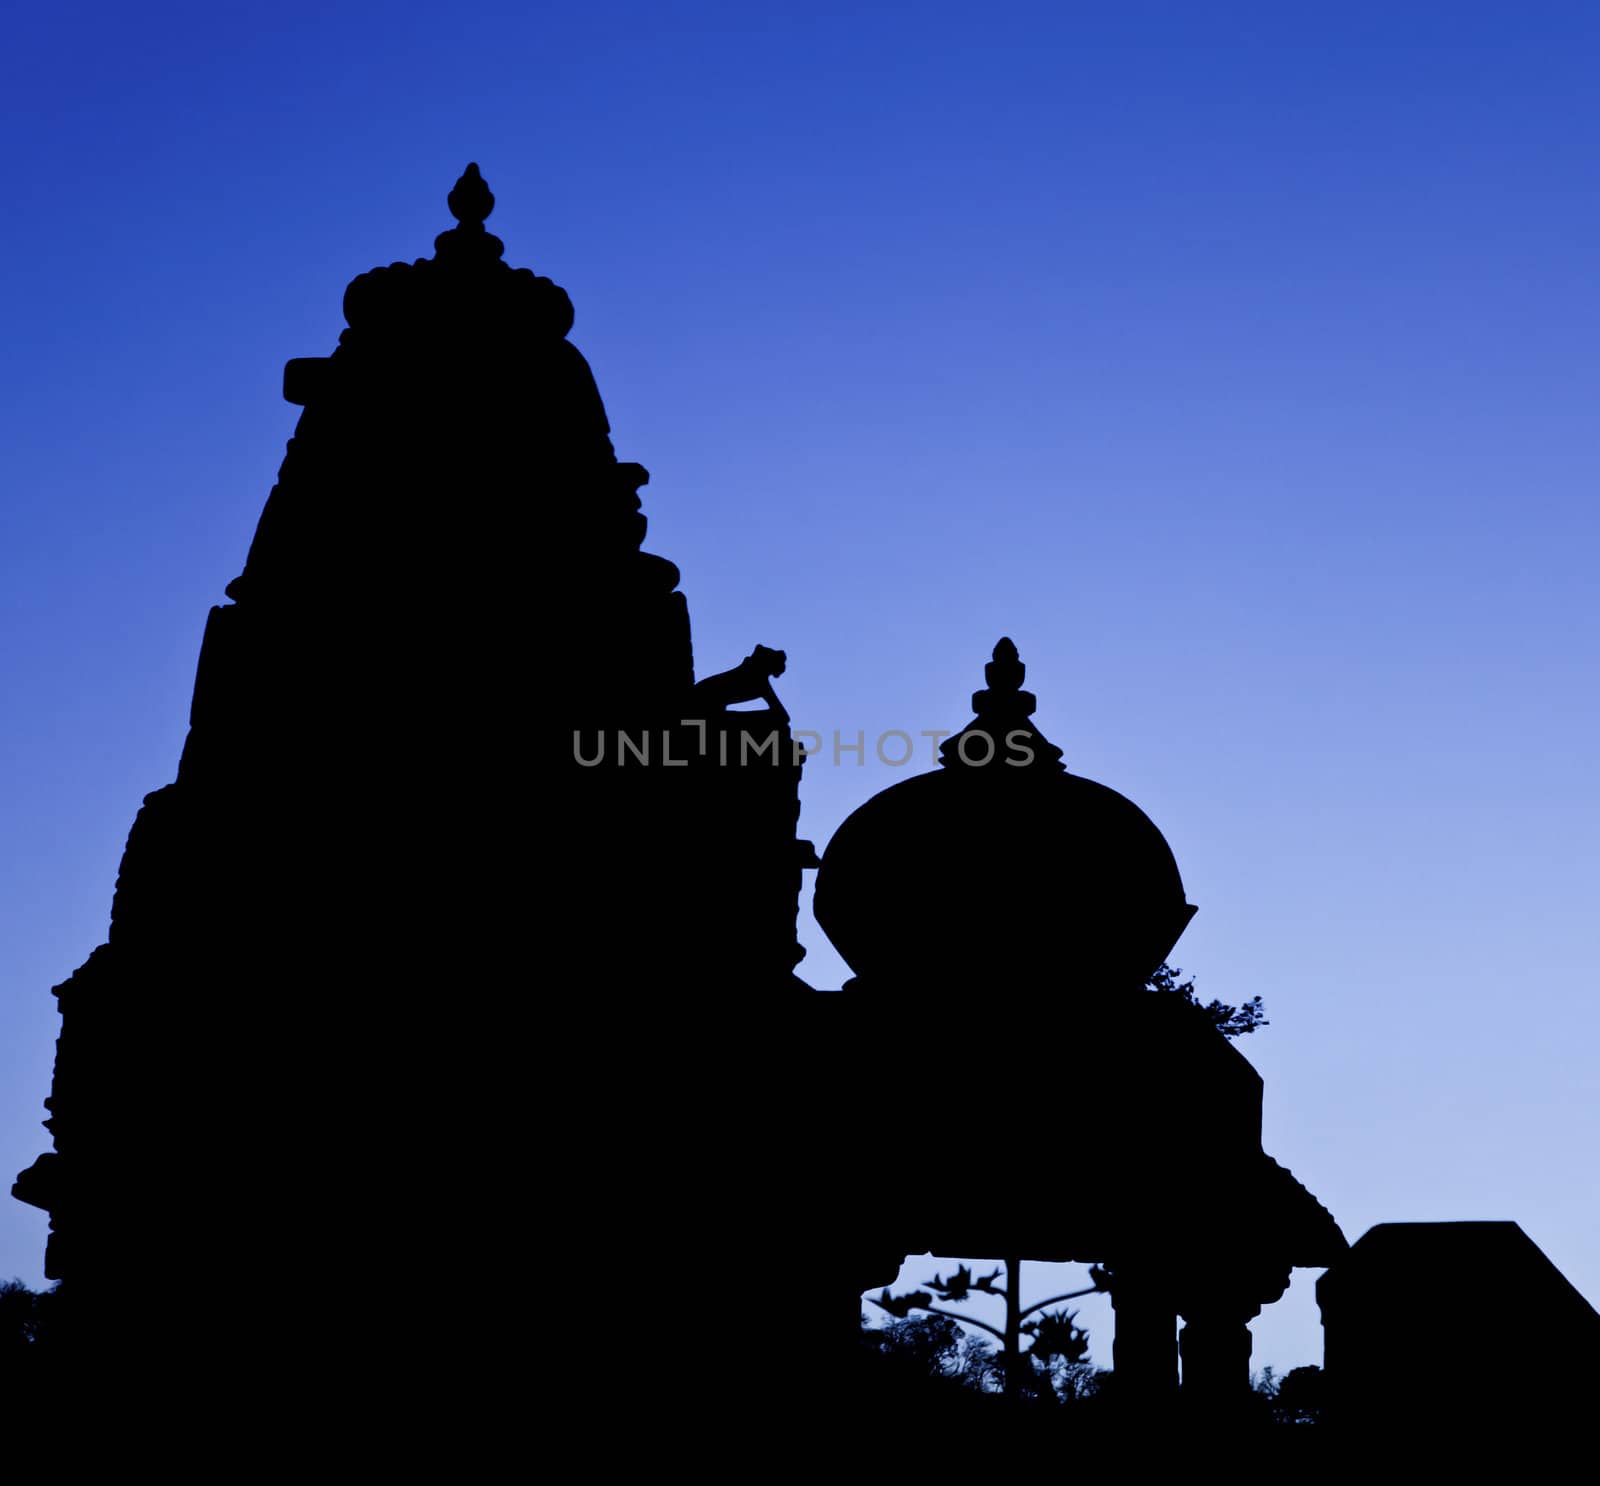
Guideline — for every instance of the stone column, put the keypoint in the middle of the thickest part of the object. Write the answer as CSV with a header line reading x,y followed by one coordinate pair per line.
x,y
1144,1353
1215,1346
1217,1305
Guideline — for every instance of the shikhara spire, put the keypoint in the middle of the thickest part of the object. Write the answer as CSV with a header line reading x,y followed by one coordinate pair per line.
x,y
381,888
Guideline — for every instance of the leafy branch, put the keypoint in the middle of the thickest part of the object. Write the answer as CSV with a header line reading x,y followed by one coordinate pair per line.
x,y
1231,1021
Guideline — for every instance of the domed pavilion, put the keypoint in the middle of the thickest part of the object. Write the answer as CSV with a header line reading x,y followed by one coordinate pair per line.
x,y
1003,903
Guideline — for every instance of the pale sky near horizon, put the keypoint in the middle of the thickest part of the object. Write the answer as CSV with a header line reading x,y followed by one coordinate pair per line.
x,y
1240,361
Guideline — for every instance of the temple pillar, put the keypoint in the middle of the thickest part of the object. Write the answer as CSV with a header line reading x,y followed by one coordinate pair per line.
x,y
1144,1351
1215,1345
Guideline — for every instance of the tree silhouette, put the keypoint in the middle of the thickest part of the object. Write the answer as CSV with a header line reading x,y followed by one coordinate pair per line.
x,y
1231,1021
1057,1347
934,1349
25,1322
1298,1397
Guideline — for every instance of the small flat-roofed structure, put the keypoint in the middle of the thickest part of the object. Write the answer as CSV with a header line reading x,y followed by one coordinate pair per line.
x,y
1412,1322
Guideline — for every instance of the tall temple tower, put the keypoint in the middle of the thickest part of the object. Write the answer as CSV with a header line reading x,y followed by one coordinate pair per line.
x,y
387,1002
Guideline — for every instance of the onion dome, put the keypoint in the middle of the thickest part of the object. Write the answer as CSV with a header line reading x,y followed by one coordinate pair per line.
x,y
1002,865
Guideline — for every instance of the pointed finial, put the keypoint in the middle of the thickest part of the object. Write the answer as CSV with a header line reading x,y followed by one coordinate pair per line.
x,y
1006,671
470,200
1004,675
1003,710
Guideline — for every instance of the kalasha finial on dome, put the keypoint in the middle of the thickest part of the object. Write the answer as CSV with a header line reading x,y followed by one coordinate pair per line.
x,y
470,201
1005,675
1003,709
1006,671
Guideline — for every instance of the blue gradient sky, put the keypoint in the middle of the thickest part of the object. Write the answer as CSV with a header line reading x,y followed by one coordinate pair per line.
x,y
1240,361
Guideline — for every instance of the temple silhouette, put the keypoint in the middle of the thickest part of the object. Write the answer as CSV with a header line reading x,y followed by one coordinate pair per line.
x,y
454,977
